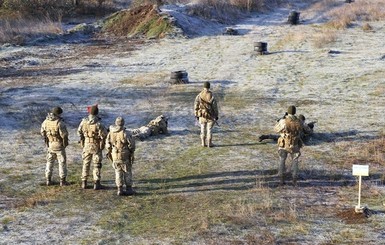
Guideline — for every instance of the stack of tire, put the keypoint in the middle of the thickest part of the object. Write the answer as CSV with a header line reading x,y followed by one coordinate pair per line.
x,y
293,18
179,77
260,48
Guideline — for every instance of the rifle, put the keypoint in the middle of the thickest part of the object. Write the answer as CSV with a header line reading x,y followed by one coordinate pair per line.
x,y
81,141
109,156
46,141
311,124
284,116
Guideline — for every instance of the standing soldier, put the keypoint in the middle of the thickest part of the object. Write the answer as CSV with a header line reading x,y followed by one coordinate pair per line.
x,y
289,142
55,135
206,112
92,135
121,147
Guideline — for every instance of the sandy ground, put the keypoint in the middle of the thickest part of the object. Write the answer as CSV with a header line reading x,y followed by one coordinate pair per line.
x,y
343,90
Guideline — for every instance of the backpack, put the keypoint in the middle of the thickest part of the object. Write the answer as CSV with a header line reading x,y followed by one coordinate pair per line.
x,y
292,135
205,108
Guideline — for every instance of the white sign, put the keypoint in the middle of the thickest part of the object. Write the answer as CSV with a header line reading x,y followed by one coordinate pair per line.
x,y
361,170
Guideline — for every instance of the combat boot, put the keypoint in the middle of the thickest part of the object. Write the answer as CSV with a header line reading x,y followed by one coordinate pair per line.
x,y
97,185
63,182
84,184
49,181
120,191
130,191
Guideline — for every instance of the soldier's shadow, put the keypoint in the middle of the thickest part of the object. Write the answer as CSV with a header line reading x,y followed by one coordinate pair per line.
x,y
240,181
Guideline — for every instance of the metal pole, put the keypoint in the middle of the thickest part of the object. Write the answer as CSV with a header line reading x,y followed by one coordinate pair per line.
x,y
359,192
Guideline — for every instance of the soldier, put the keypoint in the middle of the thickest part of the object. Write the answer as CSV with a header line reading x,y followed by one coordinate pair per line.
x,y
289,142
92,135
206,112
55,135
121,147
308,128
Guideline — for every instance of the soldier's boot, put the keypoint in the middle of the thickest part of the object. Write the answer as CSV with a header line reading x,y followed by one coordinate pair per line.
x,y
120,191
203,140
130,191
49,181
63,182
84,184
97,185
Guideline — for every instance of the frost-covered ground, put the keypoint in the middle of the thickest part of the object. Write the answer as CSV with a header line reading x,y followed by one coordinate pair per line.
x,y
341,86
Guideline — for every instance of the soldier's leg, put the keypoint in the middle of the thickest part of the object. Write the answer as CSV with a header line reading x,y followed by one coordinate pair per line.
x,y
210,126
51,157
203,133
87,157
97,161
128,180
294,166
119,178
62,159
282,168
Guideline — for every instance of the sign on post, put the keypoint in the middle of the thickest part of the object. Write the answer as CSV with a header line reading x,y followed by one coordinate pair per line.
x,y
360,170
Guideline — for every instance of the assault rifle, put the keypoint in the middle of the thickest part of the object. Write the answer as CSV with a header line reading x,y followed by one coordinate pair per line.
x,y
81,141
284,116
311,124
46,141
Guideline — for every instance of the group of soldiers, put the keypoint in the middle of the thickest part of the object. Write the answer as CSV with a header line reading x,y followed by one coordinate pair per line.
x,y
120,143
94,137
292,130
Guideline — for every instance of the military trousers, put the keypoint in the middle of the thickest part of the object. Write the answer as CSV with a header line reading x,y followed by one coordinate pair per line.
x,y
96,160
206,127
61,157
123,173
283,154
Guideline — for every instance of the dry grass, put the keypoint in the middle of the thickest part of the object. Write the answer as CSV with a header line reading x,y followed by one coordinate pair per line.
x,y
20,30
324,37
360,10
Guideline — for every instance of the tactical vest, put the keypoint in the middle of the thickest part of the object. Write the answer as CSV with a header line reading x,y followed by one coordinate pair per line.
x,y
291,140
91,132
52,131
205,107
120,145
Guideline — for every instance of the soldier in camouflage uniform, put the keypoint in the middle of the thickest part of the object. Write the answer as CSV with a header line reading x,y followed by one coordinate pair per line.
x,y
55,135
206,112
121,147
289,142
92,135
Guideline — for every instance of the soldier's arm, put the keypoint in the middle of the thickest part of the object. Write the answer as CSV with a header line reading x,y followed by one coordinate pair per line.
x,y
196,105
63,133
279,126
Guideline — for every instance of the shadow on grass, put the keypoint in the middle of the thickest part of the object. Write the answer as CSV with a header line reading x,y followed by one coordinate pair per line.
x,y
239,181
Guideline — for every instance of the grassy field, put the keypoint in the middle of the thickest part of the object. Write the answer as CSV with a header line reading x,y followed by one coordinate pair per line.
x,y
187,194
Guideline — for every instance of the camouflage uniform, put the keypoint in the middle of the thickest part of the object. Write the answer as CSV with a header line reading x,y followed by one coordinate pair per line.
x,y
289,142
92,135
121,147
206,111
55,134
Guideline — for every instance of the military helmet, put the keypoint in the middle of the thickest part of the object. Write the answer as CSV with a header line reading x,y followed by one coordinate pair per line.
x,y
291,110
57,111
206,85
119,121
301,117
94,110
